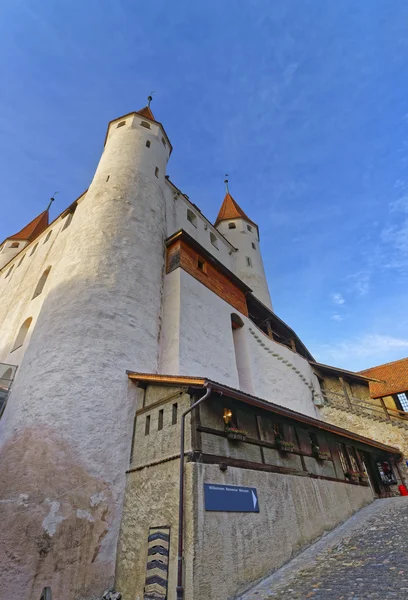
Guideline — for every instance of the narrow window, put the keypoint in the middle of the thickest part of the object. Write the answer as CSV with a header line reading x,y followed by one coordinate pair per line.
x,y
41,283
156,172
253,245
34,249
19,341
148,144
232,226
163,142
9,271
120,124
201,265
69,217
160,421
191,217
249,227
47,237
174,414
145,124
107,179
21,260
248,261
213,239
14,245
147,425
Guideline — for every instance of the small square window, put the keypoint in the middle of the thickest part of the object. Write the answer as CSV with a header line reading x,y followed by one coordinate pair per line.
x,y
232,226
164,142
249,227
253,245
201,265
214,239
148,144
121,124
191,217
145,124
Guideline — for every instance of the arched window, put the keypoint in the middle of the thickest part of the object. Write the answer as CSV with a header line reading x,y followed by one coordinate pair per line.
x,y
21,336
9,271
121,124
148,144
47,237
41,283
191,217
14,245
34,249
214,239
145,124
232,226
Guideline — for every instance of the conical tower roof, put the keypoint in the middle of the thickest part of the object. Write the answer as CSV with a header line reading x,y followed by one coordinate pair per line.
x,y
231,210
33,229
146,112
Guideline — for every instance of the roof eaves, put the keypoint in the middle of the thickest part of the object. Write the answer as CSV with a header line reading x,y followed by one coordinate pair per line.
x,y
202,382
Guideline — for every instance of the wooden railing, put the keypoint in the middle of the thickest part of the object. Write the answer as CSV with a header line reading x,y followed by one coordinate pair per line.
x,y
379,410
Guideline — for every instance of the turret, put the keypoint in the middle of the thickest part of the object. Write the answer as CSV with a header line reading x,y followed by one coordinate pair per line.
x,y
98,315
243,233
15,243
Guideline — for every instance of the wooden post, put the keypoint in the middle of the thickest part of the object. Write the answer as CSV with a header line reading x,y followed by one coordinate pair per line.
x,y
269,328
387,415
293,344
343,383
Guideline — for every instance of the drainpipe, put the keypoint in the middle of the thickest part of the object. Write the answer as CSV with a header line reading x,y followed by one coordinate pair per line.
x,y
180,589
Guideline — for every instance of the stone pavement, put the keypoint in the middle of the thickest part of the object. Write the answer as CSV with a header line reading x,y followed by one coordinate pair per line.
x,y
366,558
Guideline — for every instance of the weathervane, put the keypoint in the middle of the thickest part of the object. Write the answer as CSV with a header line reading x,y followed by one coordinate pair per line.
x,y
149,99
226,182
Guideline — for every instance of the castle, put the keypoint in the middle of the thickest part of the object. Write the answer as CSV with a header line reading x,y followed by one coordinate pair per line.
x,y
115,318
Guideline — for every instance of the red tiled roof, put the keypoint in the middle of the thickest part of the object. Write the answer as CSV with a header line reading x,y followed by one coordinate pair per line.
x,y
393,374
146,112
33,229
231,210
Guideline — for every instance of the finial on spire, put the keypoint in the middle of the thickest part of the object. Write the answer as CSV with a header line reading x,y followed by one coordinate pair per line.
x,y
149,99
51,201
226,182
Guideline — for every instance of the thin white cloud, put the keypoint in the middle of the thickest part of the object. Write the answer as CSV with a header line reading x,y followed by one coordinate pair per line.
x,y
338,298
371,345
337,318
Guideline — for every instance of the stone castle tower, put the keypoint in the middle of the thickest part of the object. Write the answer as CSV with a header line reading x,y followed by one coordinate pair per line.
x,y
132,276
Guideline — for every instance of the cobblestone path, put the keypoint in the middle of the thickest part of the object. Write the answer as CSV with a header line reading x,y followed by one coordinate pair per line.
x,y
364,559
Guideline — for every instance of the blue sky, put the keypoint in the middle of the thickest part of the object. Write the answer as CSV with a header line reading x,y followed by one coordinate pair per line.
x,y
303,102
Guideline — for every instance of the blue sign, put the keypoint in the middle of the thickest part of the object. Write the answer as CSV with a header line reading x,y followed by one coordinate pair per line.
x,y
230,498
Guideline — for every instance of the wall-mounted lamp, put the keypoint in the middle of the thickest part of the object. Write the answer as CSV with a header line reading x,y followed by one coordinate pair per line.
x,y
227,416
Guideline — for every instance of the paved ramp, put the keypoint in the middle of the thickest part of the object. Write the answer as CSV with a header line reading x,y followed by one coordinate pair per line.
x,y
366,558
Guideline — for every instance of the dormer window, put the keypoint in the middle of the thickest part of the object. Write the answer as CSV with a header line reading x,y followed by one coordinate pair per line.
x,y
249,227
232,226
145,124
121,124
191,217
214,239
14,245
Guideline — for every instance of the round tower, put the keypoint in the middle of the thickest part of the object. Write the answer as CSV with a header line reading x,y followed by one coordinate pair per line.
x,y
243,233
66,431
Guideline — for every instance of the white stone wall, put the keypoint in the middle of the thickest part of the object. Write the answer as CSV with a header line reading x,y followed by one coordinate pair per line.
x,y
197,340
65,434
177,207
8,252
245,240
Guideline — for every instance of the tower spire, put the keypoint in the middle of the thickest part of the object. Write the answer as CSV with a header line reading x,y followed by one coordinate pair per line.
x,y
149,99
50,202
226,182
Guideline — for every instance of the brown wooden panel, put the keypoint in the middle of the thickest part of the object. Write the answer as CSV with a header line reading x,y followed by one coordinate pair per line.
x,y
304,441
181,254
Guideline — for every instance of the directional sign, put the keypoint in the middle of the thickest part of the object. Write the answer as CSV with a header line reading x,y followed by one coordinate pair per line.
x,y
230,498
